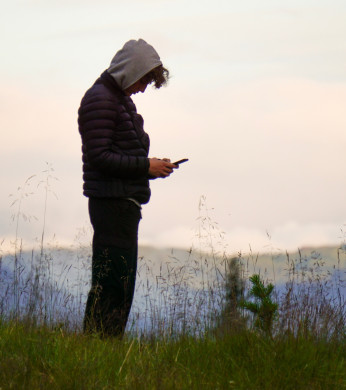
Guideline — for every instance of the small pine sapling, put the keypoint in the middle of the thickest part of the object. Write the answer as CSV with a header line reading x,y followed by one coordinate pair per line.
x,y
263,308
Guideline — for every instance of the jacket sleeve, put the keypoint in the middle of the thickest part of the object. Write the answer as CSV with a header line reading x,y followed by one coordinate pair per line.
x,y
111,149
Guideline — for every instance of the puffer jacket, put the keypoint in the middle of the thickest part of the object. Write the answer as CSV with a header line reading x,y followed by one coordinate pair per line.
x,y
114,145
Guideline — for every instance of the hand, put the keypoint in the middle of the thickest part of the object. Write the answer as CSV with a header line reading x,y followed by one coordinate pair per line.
x,y
160,168
169,160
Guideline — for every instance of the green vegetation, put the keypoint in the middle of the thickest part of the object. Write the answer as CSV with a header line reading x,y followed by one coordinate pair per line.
x,y
263,308
39,358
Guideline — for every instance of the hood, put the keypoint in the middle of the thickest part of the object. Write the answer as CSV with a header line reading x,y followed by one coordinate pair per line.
x,y
133,61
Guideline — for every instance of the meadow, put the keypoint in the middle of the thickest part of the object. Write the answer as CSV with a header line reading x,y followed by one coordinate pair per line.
x,y
183,333
43,358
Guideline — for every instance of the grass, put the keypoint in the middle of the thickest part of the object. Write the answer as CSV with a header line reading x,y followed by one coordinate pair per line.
x,y
40,358
301,353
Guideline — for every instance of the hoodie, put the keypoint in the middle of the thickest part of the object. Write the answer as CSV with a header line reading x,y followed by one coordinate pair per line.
x,y
115,146
132,62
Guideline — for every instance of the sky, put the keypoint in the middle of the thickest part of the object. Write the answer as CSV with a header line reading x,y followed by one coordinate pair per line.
x,y
256,101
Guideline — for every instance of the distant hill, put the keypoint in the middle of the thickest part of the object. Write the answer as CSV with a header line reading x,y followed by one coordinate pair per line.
x,y
169,281
74,263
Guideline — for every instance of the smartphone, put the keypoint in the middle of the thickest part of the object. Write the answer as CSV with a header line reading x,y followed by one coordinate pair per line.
x,y
180,161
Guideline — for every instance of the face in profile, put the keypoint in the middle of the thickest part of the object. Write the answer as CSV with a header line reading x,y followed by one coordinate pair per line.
x,y
138,86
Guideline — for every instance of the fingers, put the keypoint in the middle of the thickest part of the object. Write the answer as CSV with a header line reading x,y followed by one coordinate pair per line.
x,y
160,168
167,169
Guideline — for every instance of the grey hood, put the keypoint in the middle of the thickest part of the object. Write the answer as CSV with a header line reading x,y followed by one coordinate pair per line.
x,y
132,62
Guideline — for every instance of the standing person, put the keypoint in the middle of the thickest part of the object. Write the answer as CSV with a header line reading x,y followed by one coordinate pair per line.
x,y
116,169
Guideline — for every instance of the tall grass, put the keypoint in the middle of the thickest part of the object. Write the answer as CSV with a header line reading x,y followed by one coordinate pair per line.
x,y
313,302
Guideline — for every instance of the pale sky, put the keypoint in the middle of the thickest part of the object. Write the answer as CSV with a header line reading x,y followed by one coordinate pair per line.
x,y
256,102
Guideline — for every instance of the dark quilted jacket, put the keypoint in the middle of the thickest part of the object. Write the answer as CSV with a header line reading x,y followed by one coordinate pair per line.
x,y
114,145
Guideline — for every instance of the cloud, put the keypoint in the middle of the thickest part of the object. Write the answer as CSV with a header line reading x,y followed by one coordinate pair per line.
x,y
256,102
287,237
263,152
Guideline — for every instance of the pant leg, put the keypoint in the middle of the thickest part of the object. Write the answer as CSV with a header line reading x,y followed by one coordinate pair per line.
x,y
111,295
114,266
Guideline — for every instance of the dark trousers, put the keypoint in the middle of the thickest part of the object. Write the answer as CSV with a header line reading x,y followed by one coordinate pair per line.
x,y
114,265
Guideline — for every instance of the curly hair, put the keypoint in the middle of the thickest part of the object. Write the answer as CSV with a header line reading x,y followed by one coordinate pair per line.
x,y
159,76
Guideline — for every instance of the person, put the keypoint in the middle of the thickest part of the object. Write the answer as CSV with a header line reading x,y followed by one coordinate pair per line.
x,y
116,173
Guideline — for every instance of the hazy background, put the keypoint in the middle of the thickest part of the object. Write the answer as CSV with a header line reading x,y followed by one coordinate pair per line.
x,y
256,102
